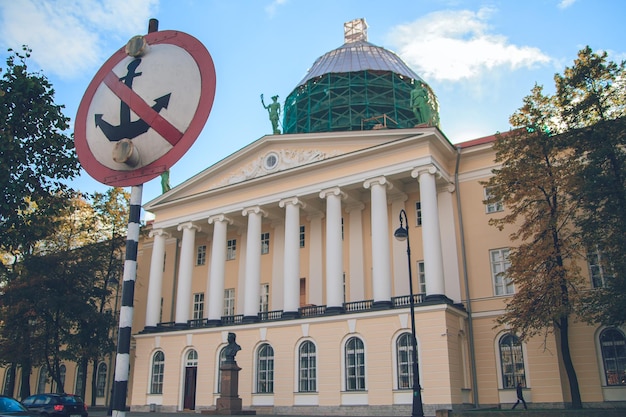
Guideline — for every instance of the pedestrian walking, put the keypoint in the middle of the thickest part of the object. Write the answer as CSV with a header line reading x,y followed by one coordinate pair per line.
x,y
520,397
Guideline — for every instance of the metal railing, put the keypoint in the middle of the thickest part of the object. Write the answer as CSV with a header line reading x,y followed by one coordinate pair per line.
x,y
309,311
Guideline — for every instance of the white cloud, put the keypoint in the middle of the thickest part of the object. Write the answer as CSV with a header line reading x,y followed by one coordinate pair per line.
x,y
70,36
271,8
564,4
458,45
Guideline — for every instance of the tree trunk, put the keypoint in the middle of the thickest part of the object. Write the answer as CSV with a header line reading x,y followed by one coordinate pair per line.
x,y
94,374
84,363
569,366
25,377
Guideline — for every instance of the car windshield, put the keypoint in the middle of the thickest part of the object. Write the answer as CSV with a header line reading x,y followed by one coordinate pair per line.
x,y
9,405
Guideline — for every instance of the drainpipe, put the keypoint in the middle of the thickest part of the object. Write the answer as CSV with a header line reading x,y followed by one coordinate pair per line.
x,y
470,328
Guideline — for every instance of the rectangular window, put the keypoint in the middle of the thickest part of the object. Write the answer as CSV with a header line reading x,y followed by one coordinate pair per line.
x,y
201,255
502,285
229,302
231,249
265,243
302,236
600,270
418,213
198,305
421,276
265,298
494,206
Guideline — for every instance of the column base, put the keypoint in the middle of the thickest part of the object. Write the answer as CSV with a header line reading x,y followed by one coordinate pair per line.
x,y
437,299
381,305
291,314
333,311
250,319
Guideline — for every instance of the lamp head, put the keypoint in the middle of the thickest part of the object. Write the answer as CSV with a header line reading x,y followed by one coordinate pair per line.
x,y
401,234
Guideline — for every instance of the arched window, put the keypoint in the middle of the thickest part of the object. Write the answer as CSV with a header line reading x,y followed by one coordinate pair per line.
x,y
158,367
9,381
404,360
192,358
355,364
62,372
613,345
43,379
78,386
219,369
307,368
101,379
265,369
512,361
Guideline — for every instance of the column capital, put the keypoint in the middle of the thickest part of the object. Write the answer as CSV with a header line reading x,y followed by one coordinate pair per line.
x,y
336,191
382,180
255,210
424,169
159,232
220,218
188,225
293,201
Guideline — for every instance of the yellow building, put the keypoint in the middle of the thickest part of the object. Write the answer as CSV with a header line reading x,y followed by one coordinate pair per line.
x,y
289,244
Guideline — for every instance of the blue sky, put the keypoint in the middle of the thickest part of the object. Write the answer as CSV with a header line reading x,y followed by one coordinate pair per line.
x,y
480,57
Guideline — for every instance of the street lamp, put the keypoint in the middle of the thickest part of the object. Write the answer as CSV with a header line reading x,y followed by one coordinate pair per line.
x,y
401,234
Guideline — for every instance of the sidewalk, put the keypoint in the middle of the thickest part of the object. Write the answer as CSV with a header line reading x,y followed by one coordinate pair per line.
x,y
103,412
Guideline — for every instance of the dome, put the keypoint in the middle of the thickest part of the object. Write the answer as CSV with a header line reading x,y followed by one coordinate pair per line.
x,y
359,86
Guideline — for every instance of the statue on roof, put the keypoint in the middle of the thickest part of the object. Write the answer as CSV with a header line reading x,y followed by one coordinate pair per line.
x,y
165,181
420,104
274,112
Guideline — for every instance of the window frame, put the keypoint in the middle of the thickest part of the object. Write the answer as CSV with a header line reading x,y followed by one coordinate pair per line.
x,y
264,298
198,306
229,302
157,370
421,277
264,369
101,379
418,213
231,249
600,271
265,243
200,255
354,365
491,208
307,367
302,236
510,378
615,376
404,368
499,279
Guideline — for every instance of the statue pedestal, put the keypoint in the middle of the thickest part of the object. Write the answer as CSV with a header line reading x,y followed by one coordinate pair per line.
x,y
229,402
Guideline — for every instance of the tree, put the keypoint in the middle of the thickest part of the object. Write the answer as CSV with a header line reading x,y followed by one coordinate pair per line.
x,y
592,99
533,183
36,156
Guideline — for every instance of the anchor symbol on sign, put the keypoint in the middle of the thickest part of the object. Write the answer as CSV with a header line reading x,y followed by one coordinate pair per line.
x,y
127,129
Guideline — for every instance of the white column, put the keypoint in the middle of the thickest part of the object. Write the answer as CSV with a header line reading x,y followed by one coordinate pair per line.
x,y
316,272
381,263
451,273
291,272
431,237
357,270
334,249
215,284
185,271
155,284
252,291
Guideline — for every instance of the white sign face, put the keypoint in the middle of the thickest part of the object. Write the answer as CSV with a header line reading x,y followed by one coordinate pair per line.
x,y
140,114
168,81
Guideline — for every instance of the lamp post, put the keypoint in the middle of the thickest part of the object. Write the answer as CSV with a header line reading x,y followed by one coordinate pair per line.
x,y
401,234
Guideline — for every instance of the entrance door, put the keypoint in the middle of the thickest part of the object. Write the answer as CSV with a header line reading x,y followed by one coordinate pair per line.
x,y
190,388
191,372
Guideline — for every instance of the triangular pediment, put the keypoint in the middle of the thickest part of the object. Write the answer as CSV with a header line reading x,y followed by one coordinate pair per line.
x,y
273,154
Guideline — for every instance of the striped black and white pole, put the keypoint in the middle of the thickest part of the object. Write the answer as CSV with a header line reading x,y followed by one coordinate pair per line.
x,y
122,360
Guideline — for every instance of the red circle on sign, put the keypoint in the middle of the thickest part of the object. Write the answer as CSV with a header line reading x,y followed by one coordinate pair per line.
x,y
180,143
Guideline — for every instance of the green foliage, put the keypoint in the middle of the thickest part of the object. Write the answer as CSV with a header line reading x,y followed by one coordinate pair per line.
x,y
36,156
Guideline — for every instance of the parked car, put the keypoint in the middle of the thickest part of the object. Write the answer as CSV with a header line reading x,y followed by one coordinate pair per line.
x,y
56,405
10,407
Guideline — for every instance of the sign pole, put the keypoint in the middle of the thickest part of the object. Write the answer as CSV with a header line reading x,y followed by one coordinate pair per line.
x,y
122,360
